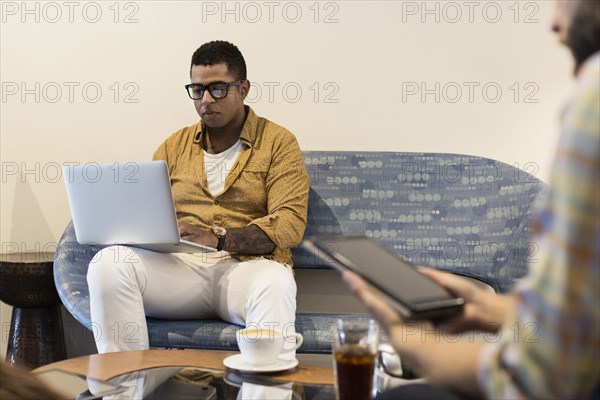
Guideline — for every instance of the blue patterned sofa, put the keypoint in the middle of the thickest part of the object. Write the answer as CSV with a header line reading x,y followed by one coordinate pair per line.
x,y
459,213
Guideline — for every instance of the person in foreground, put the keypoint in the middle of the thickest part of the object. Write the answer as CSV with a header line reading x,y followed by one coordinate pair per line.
x,y
18,384
239,185
550,322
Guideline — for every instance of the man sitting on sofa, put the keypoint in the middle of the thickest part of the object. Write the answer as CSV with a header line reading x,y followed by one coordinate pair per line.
x,y
240,185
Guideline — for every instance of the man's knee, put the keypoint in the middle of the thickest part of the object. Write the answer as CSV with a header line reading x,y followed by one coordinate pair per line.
x,y
117,254
108,264
277,276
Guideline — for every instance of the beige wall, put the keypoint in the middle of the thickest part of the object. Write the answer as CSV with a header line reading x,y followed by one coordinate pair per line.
x,y
103,82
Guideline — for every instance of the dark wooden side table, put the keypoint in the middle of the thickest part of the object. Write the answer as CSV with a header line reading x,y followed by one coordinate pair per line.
x,y
36,333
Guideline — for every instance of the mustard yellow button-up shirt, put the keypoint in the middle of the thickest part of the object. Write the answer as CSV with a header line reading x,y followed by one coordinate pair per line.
x,y
267,186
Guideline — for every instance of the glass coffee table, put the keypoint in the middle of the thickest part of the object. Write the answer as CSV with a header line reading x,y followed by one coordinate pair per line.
x,y
185,374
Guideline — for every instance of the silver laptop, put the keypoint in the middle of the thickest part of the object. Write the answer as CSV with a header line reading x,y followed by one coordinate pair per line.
x,y
126,203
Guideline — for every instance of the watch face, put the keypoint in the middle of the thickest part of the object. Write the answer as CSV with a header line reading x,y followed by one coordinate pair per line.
x,y
219,231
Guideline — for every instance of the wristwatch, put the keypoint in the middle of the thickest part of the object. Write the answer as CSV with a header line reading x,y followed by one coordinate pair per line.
x,y
221,234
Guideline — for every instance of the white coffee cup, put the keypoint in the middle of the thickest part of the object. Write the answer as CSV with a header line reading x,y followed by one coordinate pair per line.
x,y
263,346
290,345
259,346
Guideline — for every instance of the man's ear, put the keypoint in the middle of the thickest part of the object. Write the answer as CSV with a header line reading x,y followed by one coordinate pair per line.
x,y
245,89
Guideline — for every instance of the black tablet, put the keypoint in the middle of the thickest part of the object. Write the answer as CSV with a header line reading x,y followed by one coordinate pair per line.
x,y
413,294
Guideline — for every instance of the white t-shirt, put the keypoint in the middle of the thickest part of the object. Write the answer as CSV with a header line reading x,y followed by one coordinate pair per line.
x,y
217,166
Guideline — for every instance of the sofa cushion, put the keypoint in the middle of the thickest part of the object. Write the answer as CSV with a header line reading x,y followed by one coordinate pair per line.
x,y
317,329
464,214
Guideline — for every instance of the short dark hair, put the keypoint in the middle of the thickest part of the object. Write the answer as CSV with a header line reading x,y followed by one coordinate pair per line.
x,y
221,52
583,37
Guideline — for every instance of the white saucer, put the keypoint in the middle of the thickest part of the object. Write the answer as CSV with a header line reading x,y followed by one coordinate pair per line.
x,y
237,362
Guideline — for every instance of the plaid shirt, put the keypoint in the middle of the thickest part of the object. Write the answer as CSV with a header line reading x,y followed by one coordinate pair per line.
x,y
267,186
551,348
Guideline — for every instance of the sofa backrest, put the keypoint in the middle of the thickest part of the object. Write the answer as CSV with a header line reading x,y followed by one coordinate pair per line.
x,y
464,214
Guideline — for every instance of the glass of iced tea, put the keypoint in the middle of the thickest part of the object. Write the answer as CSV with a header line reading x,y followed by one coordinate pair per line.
x,y
354,355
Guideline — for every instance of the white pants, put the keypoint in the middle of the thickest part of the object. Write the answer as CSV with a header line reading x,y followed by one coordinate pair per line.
x,y
126,284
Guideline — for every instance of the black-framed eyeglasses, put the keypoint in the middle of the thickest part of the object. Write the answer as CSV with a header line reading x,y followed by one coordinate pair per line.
x,y
218,90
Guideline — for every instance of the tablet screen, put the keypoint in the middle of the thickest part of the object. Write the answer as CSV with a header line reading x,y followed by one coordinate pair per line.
x,y
387,272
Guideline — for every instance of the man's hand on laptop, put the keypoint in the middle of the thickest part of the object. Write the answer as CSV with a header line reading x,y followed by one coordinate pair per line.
x,y
197,234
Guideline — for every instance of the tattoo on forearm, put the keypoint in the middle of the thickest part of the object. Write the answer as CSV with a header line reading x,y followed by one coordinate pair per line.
x,y
250,240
